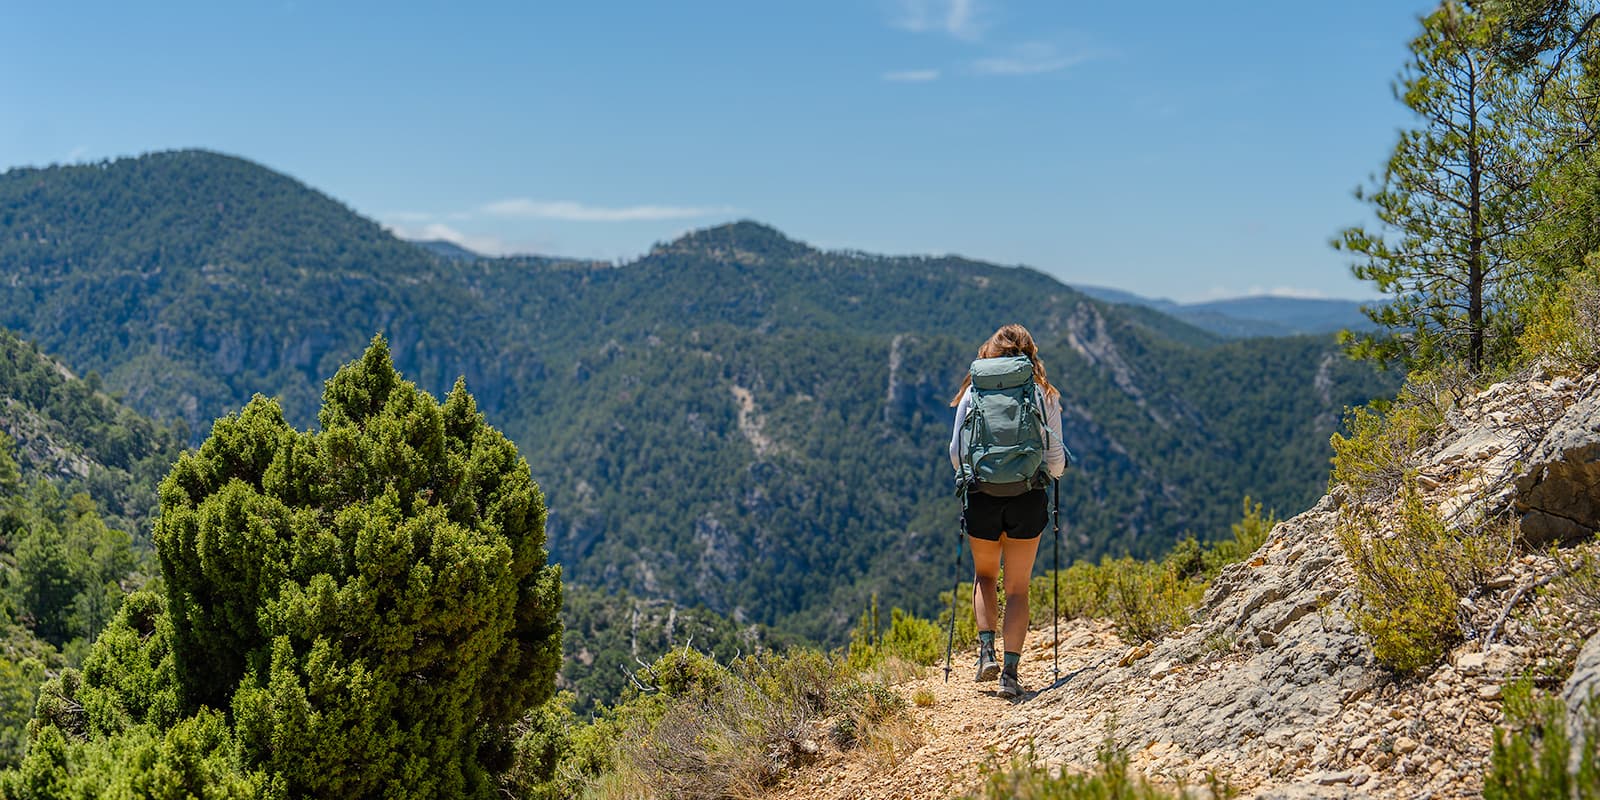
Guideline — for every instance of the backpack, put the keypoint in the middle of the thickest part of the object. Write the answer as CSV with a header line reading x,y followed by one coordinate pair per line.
x,y
1002,440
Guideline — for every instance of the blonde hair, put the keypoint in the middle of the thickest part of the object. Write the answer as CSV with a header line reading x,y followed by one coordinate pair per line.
x,y
1011,340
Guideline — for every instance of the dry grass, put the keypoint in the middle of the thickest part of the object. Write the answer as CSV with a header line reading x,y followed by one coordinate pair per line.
x,y
889,742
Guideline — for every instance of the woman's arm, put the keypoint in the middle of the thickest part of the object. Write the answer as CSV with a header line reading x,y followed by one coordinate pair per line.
x,y
955,434
1055,452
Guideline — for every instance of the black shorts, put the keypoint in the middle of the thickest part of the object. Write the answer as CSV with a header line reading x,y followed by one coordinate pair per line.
x,y
1020,517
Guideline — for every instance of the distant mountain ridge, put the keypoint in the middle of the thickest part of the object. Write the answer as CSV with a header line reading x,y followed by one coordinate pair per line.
x,y
735,419
447,249
1255,315
1234,318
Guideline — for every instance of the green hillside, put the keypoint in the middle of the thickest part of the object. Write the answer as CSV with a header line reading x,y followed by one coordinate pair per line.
x,y
736,419
78,473
69,431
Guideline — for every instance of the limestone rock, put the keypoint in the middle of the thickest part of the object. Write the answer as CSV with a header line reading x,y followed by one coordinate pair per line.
x,y
1585,682
1558,493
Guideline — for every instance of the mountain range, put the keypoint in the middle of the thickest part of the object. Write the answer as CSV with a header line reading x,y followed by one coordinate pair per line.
x,y
735,419
1252,316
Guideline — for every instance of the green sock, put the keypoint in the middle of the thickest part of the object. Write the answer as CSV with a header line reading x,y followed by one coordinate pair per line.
x,y
986,639
1011,663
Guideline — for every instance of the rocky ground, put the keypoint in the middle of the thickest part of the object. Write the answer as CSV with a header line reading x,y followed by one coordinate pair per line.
x,y
1272,687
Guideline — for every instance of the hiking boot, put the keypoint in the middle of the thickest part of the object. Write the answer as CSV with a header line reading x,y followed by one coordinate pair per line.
x,y
1009,685
988,668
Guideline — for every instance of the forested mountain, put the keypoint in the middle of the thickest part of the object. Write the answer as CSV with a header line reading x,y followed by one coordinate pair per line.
x,y
71,432
735,419
78,474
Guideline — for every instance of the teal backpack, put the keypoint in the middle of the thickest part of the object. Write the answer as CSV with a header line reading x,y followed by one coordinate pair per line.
x,y
1002,439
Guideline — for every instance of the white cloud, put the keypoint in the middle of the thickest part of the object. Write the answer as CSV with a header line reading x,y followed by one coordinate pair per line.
x,y
408,216
1289,291
962,19
912,75
1032,58
569,211
1258,290
77,154
486,245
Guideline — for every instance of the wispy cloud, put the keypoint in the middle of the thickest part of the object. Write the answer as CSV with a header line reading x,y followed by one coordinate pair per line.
x,y
1298,292
1259,290
912,75
487,245
1032,58
570,211
408,216
77,154
963,19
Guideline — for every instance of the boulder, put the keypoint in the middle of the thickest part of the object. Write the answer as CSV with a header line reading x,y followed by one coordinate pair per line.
x,y
1583,684
1558,491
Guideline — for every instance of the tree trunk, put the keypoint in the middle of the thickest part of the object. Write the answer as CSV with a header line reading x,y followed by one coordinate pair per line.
x,y
1475,238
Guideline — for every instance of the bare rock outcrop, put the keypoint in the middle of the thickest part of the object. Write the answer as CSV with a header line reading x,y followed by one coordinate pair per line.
x,y
1273,657
1558,493
1275,687
1580,687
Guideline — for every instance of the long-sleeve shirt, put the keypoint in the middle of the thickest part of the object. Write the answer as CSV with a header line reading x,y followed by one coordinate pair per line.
x,y
1055,454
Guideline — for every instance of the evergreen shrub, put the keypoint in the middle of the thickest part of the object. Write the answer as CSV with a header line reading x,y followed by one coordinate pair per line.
x,y
1532,757
1372,460
359,611
1025,779
1412,573
1562,321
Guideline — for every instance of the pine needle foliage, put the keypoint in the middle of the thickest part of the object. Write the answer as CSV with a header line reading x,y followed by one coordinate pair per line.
x,y
360,611
1452,198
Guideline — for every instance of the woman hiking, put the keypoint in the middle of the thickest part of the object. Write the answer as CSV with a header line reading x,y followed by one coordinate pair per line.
x,y
1007,440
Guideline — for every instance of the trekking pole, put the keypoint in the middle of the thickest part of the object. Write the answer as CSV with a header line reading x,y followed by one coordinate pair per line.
x,y
950,643
1055,585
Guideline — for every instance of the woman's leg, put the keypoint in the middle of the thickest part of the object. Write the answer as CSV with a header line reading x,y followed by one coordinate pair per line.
x,y
986,572
1018,556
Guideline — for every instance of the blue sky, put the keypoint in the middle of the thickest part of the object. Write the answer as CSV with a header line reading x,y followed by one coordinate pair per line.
x,y
1182,150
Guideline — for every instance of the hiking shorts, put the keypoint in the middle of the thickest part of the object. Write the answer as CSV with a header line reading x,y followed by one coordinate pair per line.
x,y
1020,517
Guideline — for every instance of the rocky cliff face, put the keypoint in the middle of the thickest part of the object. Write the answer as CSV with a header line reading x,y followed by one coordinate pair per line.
x,y
1275,687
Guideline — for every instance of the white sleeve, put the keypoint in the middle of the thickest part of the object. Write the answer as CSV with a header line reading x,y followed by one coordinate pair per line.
x,y
955,434
1055,453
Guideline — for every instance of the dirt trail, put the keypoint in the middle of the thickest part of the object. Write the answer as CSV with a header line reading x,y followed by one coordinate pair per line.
x,y
967,726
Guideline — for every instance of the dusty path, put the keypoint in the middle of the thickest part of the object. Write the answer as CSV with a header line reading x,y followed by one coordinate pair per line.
x,y
967,726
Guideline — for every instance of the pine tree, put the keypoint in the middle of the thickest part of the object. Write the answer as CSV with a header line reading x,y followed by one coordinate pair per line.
x,y
1454,195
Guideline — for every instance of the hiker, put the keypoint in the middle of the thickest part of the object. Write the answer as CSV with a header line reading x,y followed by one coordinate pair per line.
x,y
996,449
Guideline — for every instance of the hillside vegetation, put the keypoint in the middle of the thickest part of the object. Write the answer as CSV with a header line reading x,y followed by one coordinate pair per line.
x,y
735,419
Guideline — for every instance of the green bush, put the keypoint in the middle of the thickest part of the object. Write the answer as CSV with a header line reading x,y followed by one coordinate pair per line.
x,y
1531,757
690,727
909,638
1249,533
368,604
860,705
1411,579
1374,457
1562,321
1408,607
1025,779
1147,599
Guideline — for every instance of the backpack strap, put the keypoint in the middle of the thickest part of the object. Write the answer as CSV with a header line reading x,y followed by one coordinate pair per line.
x,y
966,476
